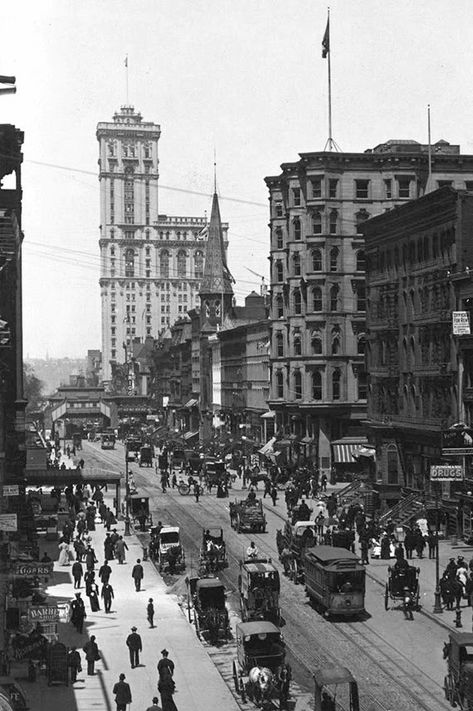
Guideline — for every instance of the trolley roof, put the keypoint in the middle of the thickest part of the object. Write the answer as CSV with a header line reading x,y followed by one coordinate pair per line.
x,y
259,566
333,674
330,554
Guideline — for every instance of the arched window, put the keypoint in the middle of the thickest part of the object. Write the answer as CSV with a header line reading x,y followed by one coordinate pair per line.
x,y
164,264
279,270
279,344
130,263
279,306
279,384
296,257
392,464
297,229
317,298
336,376
297,344
334,254
317,385
181,263
333,222
199,264
334,291
361,344
317,223
361,261
297,384
279,238
316,343
316,260
297,302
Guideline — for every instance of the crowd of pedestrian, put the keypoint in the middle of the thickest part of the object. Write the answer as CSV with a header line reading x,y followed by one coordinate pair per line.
x,y
456,582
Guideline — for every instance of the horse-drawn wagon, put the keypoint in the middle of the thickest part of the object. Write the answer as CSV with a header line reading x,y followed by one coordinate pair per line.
x,y
292,542
403,586
206,606
171,555
458,682
335,687
260,672
247,515
213,552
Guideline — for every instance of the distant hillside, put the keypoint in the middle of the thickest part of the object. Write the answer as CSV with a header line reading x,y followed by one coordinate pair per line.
x,y
56,371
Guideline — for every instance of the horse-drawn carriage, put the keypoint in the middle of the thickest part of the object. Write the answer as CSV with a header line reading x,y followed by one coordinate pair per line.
x,y
403,586
292,542
335,687
259,671
259,587
171,556
458,682
247,515
213,552
215,474
138,507
206,607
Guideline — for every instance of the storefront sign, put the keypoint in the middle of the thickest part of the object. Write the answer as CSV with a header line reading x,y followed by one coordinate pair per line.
x,y
8,522
446,472
457,441
33,568
11,490
43,613
461,323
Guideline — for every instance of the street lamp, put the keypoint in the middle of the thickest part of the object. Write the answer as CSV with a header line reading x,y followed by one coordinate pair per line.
x,y
437,596
127,495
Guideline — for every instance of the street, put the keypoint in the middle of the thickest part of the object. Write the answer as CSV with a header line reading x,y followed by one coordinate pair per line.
x,y
398,663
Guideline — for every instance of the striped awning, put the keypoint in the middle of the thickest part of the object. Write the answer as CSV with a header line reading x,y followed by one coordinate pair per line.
x,y
190,435
343,451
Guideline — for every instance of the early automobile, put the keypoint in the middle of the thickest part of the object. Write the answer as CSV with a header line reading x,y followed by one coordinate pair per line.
x,y
335,687
247,515
335,581
292,543
259,671
171,555
458,682
402,586
206,605
259,588
213,552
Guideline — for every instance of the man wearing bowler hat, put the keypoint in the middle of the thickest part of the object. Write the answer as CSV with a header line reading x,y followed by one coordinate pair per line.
x,y
133,642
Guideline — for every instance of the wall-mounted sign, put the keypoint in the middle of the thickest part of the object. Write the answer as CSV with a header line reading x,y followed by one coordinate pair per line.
x,y
33,568
11,490
446,472
461,323
43,613
8,522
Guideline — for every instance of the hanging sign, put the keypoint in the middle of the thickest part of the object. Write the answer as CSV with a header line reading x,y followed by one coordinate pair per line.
x,y
33,568
446,472
461,323
8,522
11,490
43,613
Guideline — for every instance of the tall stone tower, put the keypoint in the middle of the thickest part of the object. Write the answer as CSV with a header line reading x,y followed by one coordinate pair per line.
x,y
128,174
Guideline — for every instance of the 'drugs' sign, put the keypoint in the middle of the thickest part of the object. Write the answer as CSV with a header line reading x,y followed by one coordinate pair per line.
x,y
446,472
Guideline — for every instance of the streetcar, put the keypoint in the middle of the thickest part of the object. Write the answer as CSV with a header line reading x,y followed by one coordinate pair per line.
x,y
108,439
335,581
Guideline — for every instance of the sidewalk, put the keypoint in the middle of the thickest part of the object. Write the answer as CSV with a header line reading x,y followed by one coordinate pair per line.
x,y
199,685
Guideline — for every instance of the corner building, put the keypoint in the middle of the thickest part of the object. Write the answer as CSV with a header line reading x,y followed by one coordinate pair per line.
x,y
318,205
151,263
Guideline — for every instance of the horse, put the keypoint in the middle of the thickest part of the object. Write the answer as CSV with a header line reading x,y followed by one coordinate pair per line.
x,y
260,685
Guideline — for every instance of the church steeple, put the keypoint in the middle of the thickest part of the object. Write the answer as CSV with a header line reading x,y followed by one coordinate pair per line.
x,y
216,290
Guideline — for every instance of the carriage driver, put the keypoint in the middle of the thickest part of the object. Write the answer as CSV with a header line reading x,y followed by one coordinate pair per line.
x,y
252,551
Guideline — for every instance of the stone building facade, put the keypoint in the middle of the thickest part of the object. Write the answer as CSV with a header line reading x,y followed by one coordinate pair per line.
x,y
318,205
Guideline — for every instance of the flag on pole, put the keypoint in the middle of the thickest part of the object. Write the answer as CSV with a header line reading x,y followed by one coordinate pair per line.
x,y
326,40
126,61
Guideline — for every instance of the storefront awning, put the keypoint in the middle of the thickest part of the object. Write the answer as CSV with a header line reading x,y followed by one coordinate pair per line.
x,y
64,477
343,450
362,451
270,415
190,403
282,443
190,435
268,447
307,440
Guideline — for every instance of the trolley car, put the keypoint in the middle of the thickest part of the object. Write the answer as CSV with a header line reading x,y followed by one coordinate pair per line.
x,y
335,581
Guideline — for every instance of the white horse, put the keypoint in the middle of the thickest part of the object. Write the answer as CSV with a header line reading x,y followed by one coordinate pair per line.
x,y
260,684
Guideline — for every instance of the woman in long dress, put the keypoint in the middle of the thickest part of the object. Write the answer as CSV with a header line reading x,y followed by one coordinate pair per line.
x,y
63,553
94,598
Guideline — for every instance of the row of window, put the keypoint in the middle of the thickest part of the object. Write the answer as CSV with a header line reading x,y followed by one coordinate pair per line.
x,y
320,224
130,150
333,343
322,386
317,262
425,249
318,299
164,261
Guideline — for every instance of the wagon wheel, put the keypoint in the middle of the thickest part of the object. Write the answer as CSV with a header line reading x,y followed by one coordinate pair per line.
x,y
386,597
189,616
236,678
183,489
296,572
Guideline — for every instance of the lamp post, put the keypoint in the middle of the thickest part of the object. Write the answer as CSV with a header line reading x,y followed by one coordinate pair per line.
x,y
127,494
437,597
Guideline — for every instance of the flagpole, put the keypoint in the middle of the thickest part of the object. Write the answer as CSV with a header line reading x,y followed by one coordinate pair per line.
x,y
429,179
329,68
126,75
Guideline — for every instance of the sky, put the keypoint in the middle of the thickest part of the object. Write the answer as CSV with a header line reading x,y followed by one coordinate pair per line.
x,y
245,77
